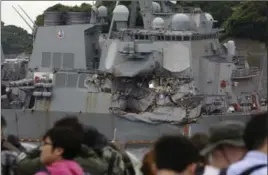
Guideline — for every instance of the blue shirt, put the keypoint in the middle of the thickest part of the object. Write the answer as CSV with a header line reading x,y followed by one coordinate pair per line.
x,y
251,159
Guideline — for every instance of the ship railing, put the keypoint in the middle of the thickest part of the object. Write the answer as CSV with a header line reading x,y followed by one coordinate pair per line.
x,y
188,9
245,73
163,13
238,113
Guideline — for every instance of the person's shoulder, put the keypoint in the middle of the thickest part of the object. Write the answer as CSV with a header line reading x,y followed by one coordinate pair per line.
x,y
238,166
242,165
262,171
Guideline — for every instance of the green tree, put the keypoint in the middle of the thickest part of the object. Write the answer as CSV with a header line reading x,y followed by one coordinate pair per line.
x,y
84,7
15,40
220,10
249,20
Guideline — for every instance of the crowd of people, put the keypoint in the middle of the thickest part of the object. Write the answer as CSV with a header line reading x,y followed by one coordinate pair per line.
x,y
72,148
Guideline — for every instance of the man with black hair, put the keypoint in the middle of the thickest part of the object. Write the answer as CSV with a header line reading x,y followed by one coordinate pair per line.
x,y
59,147
256,141
175,155
94,138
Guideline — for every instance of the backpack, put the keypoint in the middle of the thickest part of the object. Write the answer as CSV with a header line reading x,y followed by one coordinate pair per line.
x,y
108,160
246,172
8,162
118,160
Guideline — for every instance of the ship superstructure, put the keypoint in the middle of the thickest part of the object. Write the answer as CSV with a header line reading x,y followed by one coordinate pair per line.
x,y
143,82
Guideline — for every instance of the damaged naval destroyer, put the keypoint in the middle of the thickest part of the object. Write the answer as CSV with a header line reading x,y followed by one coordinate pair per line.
x,y
171,75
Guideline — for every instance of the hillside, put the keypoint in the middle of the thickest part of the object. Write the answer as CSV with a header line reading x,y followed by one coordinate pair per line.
x,y
15,40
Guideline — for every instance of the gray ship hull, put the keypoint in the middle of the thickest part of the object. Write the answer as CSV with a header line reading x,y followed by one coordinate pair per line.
x,y
32,125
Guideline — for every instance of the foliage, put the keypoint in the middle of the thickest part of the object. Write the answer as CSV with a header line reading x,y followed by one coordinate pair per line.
x,y
220,10
249,20
15,40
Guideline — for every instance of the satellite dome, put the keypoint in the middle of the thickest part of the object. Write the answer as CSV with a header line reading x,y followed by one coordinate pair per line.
x,y
209,17
158,23
180,21
156,7
121,13
102,11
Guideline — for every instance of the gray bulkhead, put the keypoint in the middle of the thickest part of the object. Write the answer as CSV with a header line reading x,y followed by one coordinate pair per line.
x,y
72,51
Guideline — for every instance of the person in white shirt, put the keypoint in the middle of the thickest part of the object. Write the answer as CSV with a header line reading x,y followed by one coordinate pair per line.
x,y
256,141
226,145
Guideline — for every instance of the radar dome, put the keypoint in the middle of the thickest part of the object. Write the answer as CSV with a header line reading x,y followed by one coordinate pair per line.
x,y
102,11
156,7
120,13
180,21
209,17
158,23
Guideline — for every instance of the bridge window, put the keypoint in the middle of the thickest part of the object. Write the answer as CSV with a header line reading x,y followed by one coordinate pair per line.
x,y
168,37
178,38
146,37
68,60
186,38
153,37
56,60
46,59
195,37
